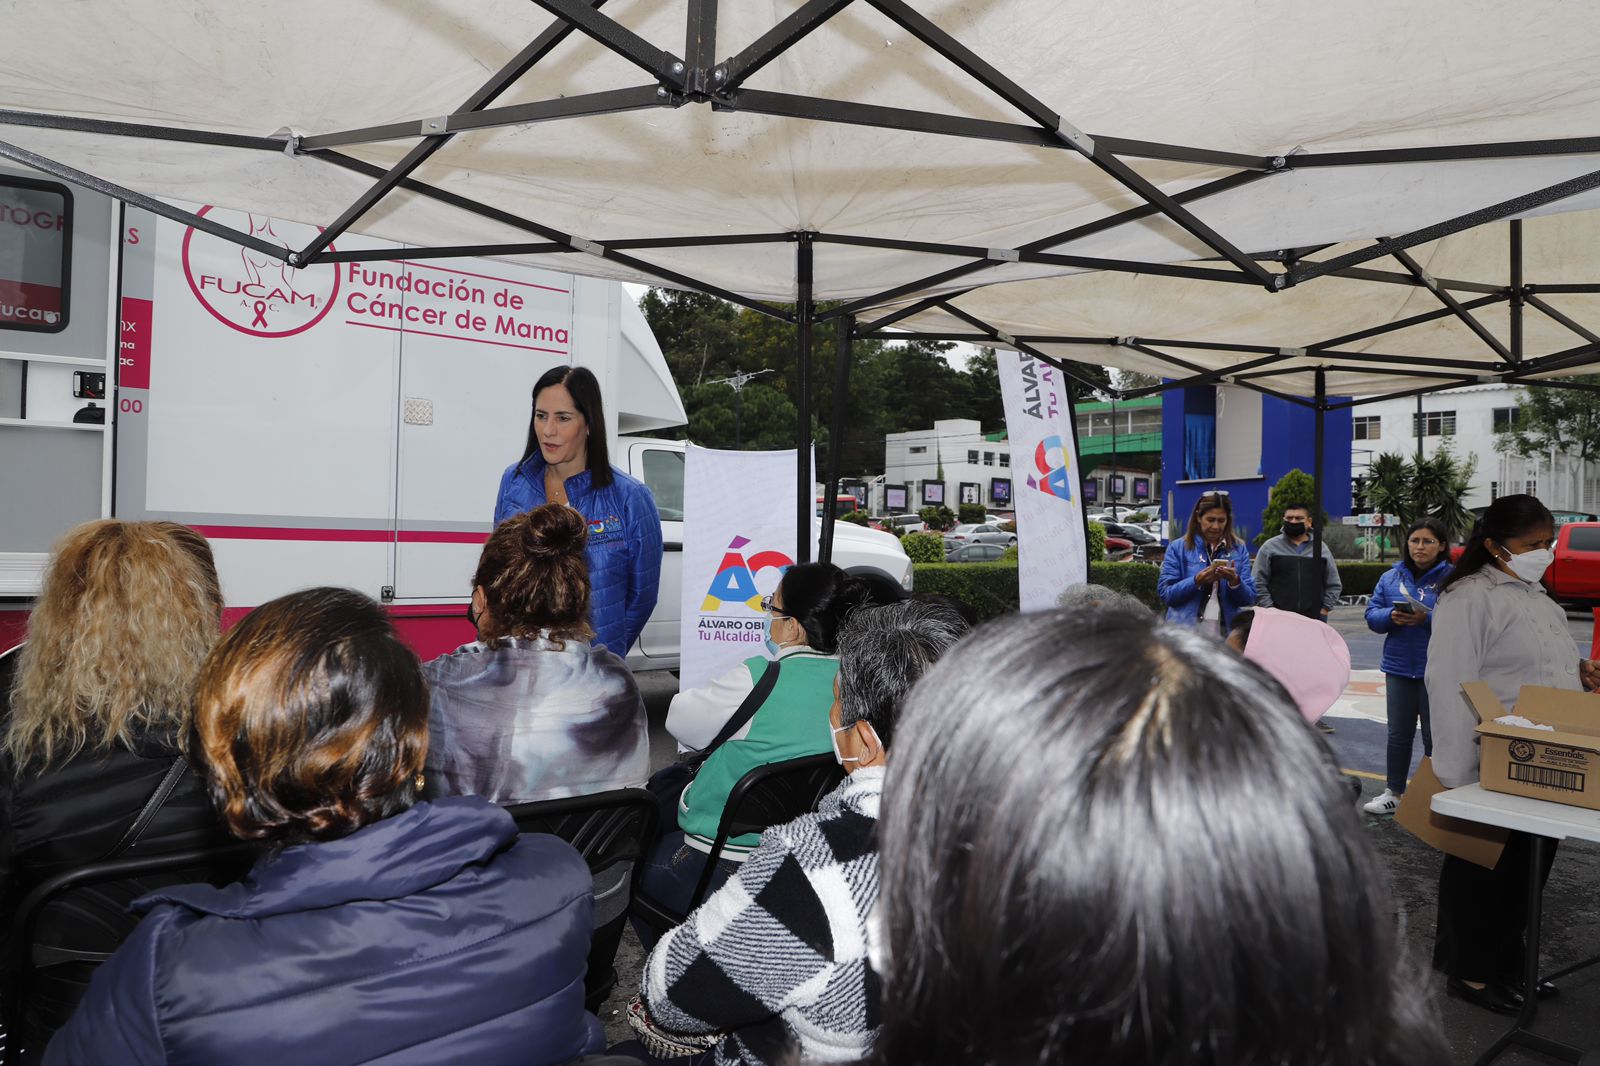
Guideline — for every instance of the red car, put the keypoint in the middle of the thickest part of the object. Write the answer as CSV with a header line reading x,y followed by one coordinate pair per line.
x,y
1118,549
1575,575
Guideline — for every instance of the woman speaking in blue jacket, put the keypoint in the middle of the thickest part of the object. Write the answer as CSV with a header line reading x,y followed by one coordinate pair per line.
x,y
1205,578
566,461
1393,609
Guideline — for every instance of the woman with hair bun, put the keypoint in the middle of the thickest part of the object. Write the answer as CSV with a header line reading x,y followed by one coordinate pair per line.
x,y
533,710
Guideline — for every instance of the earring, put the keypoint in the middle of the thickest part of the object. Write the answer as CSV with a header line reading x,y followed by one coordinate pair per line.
x,y
420,780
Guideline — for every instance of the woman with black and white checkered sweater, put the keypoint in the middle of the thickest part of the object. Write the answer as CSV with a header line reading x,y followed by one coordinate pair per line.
x,y
776,959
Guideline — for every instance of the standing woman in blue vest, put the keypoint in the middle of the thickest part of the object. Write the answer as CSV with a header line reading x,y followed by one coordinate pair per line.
x,y
1414,580
566,461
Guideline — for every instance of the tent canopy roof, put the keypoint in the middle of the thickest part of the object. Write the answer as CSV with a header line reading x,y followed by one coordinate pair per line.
x,y
878,151
1240,82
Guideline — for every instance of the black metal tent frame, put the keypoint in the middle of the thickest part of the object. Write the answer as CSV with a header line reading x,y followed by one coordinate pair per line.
x,y
699,78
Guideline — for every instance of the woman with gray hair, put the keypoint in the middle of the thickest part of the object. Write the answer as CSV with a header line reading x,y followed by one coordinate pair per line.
x,y
803,896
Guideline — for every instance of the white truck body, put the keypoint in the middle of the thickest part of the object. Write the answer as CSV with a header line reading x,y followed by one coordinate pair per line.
x,y
346,424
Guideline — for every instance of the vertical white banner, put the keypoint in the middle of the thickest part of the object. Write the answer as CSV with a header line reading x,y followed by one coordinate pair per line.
x,y
1047,490
738,539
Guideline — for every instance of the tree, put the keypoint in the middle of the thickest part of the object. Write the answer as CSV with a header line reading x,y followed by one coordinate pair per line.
x,y
1433,488
1553,419
1132,379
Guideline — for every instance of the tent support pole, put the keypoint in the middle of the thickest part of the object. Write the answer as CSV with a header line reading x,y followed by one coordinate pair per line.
x,y
519,65
1319,511
805,505
770,45
1054,240
1416,271
1516,291
1550,194
1577,327
516,222
1403,323
149,203
841,385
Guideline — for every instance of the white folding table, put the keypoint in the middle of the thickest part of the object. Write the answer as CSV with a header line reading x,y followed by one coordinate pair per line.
x,y
1546,822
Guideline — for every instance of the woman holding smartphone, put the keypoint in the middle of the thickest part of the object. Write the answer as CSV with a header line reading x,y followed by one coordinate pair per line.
x,y
1402,607
1205,578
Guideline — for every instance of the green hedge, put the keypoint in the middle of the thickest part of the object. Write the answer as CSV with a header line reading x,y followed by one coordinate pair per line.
x,y
1136,579
1360,578
991,588
924,547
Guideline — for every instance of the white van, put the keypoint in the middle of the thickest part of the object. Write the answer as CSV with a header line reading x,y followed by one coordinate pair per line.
x,y
345,424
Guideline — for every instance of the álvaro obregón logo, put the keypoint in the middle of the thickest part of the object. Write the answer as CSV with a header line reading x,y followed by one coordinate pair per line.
x,y
252,292
1054,475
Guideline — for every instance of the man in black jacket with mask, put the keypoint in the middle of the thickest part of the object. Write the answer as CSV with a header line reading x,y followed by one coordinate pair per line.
x,y
1287,577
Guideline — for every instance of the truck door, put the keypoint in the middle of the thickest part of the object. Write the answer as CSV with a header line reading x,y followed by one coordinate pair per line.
x,y
477,336
660,466
57,336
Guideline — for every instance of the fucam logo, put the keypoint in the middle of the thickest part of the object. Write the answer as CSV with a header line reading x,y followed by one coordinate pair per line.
x,y
249,290
735,580
1054,477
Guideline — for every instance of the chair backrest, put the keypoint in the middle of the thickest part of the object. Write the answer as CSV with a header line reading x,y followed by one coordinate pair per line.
x,y
226,861
606,828
769,795
776,793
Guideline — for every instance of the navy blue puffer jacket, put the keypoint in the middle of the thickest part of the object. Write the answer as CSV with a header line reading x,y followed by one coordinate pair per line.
x,y
624,552
434,936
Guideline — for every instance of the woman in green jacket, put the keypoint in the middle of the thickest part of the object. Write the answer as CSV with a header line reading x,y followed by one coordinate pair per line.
x,y
803,618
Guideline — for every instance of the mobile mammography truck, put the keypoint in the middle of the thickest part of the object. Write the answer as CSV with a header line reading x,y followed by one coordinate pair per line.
x,y
346,424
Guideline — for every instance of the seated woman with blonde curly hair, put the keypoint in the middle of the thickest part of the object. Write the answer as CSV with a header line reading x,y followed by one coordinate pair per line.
x,y
92,736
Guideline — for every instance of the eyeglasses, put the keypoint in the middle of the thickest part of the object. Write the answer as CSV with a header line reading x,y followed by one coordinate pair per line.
x,y
766,605
1423,542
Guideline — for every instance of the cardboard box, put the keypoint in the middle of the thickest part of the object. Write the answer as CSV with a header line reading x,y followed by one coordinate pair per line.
x,y
1562,766
1472,841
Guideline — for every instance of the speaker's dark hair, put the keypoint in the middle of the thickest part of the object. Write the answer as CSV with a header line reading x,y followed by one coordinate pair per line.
x,y
581,383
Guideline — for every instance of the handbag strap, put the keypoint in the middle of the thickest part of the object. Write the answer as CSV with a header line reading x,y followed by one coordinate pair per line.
x,y
169,782
747,710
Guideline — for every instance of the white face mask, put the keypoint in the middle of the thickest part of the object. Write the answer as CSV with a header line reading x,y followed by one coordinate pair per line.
x,y
833,738
1530,566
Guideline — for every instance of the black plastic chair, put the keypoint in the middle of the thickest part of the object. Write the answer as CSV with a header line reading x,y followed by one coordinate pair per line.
x,y
607,828
226,863
769,795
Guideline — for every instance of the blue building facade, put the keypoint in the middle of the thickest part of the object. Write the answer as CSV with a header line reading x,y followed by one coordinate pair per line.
x,y
1231,439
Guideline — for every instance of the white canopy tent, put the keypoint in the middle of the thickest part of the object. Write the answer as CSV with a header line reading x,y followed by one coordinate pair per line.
x,y
867,152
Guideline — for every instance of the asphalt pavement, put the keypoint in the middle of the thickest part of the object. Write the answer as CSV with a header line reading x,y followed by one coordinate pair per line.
x,y
1571,928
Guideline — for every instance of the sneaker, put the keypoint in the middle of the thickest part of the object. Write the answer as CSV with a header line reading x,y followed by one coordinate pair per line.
x,y
1387,803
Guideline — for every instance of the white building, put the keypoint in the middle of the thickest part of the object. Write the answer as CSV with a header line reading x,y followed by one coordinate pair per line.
x,y
1468,416
976,468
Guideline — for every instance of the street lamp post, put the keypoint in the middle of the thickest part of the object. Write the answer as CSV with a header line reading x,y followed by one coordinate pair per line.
x,y
737,382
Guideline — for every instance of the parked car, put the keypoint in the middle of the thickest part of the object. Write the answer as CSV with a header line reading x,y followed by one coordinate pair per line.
x,y
993,535
1118,549
906,523
974,553
1138,535
1574,577
966,531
